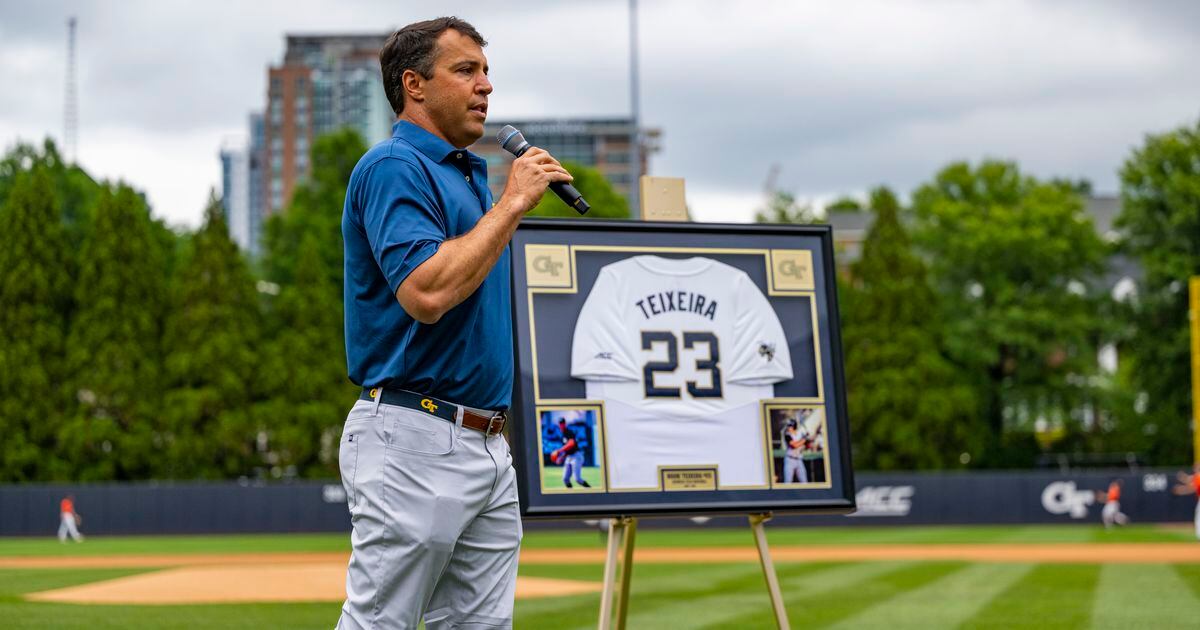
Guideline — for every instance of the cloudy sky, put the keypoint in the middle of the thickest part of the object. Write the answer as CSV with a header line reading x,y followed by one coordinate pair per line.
x,y
841,96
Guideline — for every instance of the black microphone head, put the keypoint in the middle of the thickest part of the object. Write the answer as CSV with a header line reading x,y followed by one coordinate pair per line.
x,y
511,140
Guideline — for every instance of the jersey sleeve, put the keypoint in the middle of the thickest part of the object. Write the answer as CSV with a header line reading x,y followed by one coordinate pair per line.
x,y
403,222
761,354
600,348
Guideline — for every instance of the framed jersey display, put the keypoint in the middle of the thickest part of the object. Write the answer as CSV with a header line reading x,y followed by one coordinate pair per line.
x,y
677,368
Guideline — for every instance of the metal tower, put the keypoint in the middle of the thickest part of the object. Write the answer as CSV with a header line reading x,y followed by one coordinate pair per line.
x,y
70,107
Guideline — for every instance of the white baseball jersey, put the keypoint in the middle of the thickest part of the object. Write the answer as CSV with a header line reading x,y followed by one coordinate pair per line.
x,y
681,352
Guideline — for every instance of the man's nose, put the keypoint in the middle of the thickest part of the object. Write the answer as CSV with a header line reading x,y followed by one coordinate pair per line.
x,y
484,86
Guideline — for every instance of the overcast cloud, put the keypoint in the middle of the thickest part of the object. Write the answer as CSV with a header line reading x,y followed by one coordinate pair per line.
x,y
842,96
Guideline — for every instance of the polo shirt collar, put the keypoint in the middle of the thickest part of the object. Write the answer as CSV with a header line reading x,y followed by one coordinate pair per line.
x,y
432,146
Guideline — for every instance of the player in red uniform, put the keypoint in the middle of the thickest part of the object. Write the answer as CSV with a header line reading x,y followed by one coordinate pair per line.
x,y
1111,514
1190,484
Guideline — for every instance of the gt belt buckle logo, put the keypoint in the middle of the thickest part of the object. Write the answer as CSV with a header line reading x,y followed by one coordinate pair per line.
x,y
546,264
428,405
1062,497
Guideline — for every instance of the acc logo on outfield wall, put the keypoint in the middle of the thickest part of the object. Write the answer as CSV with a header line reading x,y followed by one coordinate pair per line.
x,y
1062,497
884,501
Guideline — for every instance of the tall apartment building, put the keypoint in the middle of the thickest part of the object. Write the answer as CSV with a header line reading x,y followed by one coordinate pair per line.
x,y
605,144
325,82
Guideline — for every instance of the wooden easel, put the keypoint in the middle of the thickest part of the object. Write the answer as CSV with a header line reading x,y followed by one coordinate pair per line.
x,y
618,567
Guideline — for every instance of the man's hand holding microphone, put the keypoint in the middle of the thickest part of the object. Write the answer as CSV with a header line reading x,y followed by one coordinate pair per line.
x,y
532,172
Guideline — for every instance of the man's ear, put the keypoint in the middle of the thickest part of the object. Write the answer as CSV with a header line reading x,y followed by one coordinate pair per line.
x,y
414,85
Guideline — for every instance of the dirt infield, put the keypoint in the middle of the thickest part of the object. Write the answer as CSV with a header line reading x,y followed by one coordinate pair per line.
x,y
324,582
292,577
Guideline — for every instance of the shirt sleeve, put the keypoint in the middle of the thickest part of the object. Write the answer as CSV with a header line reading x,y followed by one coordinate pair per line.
x,y
761,354
403,221
600,348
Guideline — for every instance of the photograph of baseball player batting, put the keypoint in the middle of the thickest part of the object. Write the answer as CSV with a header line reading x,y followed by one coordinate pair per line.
x,y
571,461
798,445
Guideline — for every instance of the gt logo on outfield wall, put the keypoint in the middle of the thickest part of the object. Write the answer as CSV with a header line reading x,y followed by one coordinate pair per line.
x,y
1062,497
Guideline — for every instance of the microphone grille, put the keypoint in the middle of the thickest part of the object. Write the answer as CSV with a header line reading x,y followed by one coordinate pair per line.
x,y
509,138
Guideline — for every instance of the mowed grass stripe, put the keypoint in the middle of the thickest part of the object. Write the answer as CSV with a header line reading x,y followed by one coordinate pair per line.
x,y
943,603
799,577
686,599
1189,574
822,608
1144,596
1049,596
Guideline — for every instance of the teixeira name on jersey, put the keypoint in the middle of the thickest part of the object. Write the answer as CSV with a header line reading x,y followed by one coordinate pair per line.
x,y
677,302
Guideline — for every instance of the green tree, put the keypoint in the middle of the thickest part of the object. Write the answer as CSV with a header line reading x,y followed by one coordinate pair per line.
x,y
605,201
782,207
35,297
115,344
213,341
75,191
909,408
306,359
1160,226
315,208
1015,263
844,204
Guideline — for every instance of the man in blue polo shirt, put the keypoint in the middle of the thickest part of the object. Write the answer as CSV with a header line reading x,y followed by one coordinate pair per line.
x,y
428,477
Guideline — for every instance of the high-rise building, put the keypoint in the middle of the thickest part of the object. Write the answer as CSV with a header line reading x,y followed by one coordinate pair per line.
x,y
605,144
235,192
256,159
325,82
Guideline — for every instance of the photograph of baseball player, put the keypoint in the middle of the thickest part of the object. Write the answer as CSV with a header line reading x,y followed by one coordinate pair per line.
x,y
572,449
797,445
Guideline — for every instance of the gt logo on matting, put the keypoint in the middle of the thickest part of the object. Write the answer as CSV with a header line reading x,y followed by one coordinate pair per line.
x,y
792,269
548,266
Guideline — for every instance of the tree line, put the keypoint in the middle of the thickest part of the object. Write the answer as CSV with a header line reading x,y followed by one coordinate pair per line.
x,y
971,322
974,319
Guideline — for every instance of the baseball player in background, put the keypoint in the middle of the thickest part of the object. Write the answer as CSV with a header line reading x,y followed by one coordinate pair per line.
x,y
1111,514
570,455
68,520
795,441
1190,484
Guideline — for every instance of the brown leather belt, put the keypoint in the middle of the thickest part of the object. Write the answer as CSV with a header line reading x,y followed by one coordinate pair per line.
x,y
448,411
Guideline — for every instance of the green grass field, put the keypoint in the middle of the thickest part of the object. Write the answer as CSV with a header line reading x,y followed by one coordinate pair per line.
x,y
891,594
552,476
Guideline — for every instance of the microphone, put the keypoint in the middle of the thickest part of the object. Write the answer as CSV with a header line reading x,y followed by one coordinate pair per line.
x,y
513,142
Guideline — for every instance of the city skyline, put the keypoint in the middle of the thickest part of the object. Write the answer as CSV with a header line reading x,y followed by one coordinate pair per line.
x,y
841,98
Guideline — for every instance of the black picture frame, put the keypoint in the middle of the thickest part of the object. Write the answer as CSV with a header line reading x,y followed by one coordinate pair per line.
x,y
540,392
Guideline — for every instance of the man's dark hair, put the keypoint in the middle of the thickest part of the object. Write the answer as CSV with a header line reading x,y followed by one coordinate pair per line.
x,y
414,47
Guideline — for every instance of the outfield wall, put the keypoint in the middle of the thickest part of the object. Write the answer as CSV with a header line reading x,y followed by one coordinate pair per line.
x,y
883,499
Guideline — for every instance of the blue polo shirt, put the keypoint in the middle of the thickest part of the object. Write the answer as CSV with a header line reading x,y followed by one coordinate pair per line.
x,y
407,196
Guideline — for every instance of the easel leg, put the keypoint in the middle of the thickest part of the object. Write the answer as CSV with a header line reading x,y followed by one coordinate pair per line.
x,y
626,572
621,535
764,556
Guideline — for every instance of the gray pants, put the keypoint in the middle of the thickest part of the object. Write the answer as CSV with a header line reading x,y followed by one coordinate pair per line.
x,y
794,470
573,465
436,526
